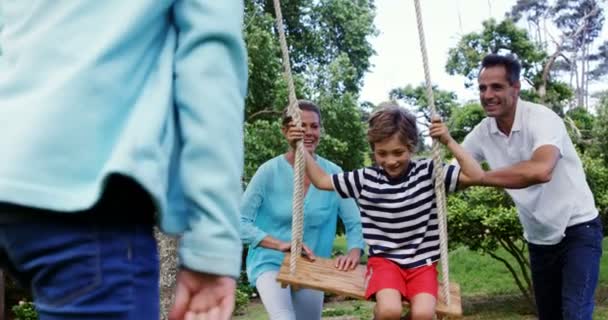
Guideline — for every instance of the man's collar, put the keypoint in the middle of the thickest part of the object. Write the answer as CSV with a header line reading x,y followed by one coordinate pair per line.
x,y
516,121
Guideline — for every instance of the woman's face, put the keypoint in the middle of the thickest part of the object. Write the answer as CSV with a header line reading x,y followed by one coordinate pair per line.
x,y
312,130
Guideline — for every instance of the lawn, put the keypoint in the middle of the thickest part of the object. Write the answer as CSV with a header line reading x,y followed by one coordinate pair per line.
x,y
488,292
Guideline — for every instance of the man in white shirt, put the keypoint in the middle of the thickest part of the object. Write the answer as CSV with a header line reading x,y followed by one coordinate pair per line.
x,y
531,155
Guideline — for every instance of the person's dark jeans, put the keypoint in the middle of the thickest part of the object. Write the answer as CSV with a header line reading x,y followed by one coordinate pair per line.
x,y
85,271
97,264
565,275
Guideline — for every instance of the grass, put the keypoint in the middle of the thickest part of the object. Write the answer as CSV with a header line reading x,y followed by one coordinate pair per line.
x,y
488,291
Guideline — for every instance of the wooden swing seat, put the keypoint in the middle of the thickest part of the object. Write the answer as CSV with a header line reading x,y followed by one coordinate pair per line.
x,y
322,275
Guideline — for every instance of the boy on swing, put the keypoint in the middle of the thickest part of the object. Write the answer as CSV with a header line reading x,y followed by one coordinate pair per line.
x,y
398,209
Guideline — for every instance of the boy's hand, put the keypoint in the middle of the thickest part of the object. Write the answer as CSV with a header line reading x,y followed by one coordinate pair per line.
x,y
438,130
294,134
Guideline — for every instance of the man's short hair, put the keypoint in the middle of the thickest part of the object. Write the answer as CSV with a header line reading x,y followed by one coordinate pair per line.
x,y
511,64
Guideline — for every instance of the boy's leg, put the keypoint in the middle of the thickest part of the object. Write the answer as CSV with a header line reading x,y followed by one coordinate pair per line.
x,y
389,305
386,284
546,266
422,287
87,271
422,307
308,304
276,300
583,249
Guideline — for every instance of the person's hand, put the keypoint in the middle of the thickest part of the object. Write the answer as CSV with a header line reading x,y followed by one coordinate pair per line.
x,y
203,296
438,130
349,261
286,247
294,134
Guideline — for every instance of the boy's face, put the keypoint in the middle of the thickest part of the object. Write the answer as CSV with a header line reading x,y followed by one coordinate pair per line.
x,y
392,155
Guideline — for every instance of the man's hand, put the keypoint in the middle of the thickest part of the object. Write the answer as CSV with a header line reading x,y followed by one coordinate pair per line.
x,y
350,261
202,296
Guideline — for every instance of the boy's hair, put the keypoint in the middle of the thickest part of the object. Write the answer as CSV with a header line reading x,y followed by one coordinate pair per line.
x,y
512,66
389,119
304,105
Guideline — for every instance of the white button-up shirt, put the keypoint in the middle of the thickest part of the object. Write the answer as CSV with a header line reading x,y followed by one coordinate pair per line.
x,y
547,209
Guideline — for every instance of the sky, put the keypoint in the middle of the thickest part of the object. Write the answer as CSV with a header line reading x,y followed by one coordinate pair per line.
x,y
398,60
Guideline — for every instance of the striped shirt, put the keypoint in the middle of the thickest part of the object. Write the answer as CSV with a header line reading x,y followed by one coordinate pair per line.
x,y
399,215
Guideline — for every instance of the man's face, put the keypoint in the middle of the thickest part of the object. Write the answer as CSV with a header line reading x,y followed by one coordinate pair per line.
x,y
496,95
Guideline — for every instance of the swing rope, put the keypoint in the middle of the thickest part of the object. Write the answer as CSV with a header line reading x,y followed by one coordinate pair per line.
x,y
294,112
438,166
298,194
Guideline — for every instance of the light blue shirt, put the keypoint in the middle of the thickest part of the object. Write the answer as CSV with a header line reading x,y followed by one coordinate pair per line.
x,y
152,89
267,210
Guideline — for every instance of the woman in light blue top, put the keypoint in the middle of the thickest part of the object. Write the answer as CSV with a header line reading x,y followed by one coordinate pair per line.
x,y
266,225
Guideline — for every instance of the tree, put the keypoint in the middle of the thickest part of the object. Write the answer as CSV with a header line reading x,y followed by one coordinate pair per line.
x,y
503,37
485,219
506,38
578,24
581,22
329,52
535,12
600,129
601,56
464,119
415,98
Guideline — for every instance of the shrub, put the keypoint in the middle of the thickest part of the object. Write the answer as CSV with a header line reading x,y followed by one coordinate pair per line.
x,y
25,311
242,299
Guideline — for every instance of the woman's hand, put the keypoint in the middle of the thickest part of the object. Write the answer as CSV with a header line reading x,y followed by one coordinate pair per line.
x,y
294,134
286,247
349,261
439,131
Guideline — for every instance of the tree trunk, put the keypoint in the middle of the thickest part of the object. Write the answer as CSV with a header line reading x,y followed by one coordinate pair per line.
x,y
542,88
167,251
2,308
581,97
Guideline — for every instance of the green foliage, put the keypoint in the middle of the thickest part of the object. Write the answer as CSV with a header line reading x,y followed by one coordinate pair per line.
x,y
464,119
25,311
329,51
346,25
597,178
263,141
503,37
580,123
600,130
241,301
359,309
244,293
484,220
557,95
416,99
266,88
344,140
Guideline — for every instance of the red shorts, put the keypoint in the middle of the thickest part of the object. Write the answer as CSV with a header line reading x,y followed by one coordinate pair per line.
x,y
385,274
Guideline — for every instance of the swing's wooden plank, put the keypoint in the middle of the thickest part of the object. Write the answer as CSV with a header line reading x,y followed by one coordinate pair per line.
x,y
322,275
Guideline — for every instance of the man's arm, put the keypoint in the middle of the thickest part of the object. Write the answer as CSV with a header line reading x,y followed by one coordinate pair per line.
x,y
210,83
539,169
